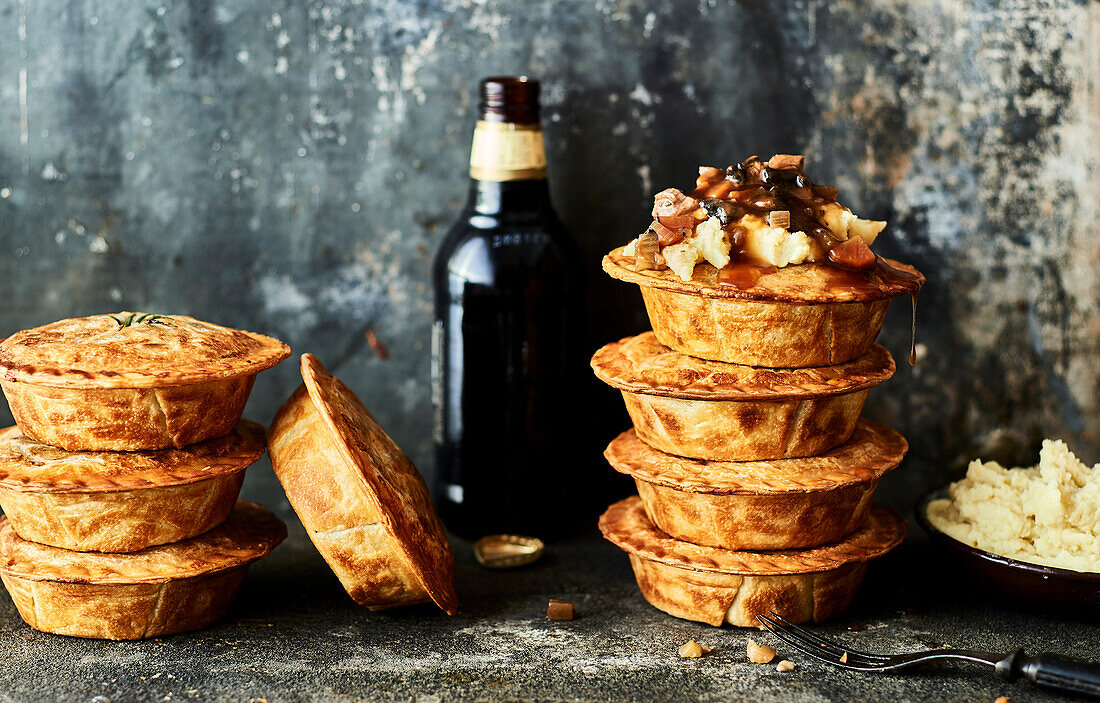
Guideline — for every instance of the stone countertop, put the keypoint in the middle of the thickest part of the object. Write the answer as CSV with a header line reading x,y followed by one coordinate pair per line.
x,y
294,635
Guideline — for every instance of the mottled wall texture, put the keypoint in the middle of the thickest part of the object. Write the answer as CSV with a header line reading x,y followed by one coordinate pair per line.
x,y
289,166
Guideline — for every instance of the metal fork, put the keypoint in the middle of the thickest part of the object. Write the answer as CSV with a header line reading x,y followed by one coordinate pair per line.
x,y
1047,670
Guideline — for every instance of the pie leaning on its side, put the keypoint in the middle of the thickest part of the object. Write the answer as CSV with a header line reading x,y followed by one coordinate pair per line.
x,y
157,591
122,501
360,498
131,381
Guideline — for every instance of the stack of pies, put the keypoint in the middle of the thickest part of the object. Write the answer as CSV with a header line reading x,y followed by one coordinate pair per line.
x,y
119,483
755,473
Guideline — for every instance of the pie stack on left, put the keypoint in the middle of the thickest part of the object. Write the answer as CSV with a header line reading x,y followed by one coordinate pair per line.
x,y
119,481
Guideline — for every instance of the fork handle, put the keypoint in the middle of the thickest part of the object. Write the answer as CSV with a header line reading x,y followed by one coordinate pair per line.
x,y
1061,674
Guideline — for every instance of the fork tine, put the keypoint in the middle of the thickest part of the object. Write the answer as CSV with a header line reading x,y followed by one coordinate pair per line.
x,y
814,643
813,650
787,624
819,647
825,653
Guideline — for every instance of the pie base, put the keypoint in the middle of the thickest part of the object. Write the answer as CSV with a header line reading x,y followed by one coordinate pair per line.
x,y
719,430
122,501
124,611
717,599
793,503
127,419
801,316
769,334
718,411
718,586
157,591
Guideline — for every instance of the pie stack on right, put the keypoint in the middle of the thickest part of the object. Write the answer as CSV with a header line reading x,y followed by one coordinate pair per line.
x,y
755,472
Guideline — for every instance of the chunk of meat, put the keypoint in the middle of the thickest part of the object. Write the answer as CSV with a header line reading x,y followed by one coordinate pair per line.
x,y
671,202
678,222
853,254
785,161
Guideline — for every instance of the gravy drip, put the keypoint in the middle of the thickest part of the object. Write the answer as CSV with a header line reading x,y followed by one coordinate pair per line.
x,y
893,275
744,273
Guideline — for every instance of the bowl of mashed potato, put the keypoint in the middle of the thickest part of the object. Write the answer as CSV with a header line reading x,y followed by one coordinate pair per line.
x,y
1028,534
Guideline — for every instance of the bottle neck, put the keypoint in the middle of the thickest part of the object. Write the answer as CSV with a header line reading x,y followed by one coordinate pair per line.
x,y
507,167
491,197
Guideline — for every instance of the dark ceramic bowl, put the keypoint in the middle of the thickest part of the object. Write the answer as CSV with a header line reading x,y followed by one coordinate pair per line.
x,y
1032,586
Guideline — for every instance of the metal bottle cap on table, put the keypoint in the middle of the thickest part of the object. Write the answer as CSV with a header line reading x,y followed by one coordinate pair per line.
x,y
507,551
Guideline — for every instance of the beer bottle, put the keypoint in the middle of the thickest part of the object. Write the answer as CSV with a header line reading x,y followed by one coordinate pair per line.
x,y
505,342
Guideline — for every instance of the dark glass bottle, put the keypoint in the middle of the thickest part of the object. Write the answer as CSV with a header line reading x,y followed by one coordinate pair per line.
x,y
505,343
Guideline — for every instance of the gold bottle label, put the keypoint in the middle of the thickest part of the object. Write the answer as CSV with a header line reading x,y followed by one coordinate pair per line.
x,y
503,151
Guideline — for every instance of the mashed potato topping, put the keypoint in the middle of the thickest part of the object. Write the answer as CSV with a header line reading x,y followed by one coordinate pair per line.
x,y
765,213
1047,514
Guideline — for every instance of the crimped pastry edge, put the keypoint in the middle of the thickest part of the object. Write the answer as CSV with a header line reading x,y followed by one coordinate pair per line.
x,y
271,351
231,453
626,525
872,450
256,534
614,366
801,276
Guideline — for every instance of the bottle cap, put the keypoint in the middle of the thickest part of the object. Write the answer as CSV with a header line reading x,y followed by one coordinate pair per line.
x,y
507,551
509,99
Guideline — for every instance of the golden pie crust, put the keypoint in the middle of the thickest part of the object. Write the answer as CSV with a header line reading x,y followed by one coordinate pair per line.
x,y
360,498
794,318
157,591
717,586
776,504
92,384
728,412
122,501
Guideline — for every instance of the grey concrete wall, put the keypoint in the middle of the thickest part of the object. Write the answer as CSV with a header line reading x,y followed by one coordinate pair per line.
x,y
289,167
